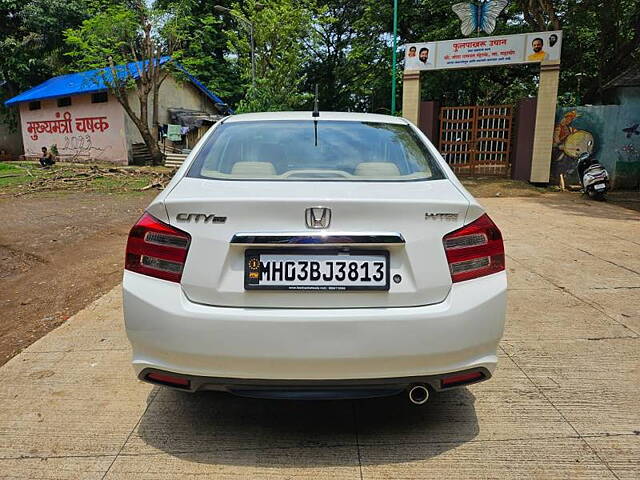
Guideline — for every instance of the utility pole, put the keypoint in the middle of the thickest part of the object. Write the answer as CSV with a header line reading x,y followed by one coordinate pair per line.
x,y
394,57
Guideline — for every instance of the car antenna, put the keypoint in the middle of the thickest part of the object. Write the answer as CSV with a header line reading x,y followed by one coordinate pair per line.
x,y
315,115
316,110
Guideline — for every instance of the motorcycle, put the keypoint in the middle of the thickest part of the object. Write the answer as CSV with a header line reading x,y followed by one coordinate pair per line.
x,y
594,178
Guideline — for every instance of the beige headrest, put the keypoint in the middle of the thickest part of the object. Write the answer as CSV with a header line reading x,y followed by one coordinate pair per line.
x,y
253,169
377,170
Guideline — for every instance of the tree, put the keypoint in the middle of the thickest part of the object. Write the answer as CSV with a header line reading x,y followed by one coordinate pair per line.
x,y
601,40
32,42
279,27
541,14
206,54
343,46
349,61
137,35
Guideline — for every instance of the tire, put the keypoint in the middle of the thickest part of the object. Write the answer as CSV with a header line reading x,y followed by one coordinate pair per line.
x,y
598,196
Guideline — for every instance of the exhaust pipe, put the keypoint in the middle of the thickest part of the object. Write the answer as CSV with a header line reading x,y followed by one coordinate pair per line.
x,y
418,394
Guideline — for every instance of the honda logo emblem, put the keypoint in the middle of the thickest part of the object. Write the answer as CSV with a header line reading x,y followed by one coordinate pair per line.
x,y
318,217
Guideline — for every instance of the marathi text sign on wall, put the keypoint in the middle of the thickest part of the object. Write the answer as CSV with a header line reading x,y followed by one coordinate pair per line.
x,y
484,51
64,123
80,131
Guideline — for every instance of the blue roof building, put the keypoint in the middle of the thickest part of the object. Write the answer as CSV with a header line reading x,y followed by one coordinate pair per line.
x,y
78,114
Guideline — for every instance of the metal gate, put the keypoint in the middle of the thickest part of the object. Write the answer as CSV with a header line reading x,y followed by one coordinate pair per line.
x,y
476,140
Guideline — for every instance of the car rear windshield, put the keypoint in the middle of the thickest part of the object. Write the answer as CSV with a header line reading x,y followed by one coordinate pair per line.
x,y
307,150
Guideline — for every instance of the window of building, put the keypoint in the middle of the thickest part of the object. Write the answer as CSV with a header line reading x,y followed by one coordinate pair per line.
x,y
34,105
100,97
64,102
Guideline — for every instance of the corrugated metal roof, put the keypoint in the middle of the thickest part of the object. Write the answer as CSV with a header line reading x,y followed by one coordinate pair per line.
x,y
629,78
93,81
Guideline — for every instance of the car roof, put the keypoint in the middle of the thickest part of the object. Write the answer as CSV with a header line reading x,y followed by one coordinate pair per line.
x,y
335,116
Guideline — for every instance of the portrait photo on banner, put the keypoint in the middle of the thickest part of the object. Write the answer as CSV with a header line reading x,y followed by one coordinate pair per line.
x,y
543,47
420,56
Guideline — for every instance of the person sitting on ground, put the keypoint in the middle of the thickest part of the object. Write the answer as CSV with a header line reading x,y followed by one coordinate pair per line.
x,y
47,159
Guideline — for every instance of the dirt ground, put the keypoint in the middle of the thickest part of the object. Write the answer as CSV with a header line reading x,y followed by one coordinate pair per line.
x,y
58,252
626,199
487,187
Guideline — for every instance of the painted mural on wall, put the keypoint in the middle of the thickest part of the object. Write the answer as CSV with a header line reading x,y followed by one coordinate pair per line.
x,y
569,142
610,133
80,132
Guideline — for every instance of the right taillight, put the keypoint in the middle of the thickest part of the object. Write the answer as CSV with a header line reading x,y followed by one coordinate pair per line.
x,y
157,249
475,250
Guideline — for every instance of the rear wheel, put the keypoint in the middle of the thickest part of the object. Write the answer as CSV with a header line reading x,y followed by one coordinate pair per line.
x,y
595,195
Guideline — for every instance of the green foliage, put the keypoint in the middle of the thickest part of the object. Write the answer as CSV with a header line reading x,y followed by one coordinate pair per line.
x,y
279,29
352,50
140,34
7,168
31,43
107,34
344,46
204,52
601,40
350,59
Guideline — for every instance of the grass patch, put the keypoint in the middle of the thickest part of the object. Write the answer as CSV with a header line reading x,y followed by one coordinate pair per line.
x,y
114,185
17,173
7,167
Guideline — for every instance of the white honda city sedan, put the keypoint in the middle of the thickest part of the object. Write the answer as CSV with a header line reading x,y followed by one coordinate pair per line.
x,y
334,256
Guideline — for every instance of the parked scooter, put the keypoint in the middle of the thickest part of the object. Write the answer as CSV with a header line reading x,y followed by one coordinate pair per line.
x,y
594,178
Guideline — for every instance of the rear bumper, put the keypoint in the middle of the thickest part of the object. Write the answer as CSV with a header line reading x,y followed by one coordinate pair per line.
x,y
171,334
314,389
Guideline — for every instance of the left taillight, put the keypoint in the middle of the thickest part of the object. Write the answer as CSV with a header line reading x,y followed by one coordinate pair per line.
x,y
157,249
475,250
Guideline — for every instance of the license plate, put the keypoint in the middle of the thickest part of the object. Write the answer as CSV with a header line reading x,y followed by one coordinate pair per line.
x,y
600,186
313,270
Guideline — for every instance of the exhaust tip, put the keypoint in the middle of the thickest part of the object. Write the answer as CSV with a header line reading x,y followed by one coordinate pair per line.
x,y
418,394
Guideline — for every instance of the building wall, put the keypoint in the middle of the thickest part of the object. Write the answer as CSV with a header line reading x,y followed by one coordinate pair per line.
x,y
610,132
173,94
10,139
102,138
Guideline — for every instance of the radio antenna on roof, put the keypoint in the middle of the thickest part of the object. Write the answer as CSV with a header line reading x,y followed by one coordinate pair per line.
x,y
316,111
315,115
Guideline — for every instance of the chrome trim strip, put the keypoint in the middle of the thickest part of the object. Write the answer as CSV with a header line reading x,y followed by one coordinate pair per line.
x,y
313,238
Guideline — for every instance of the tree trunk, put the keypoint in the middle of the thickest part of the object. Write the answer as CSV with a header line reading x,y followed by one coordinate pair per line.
x,y
141,122
150,140
157,156
156,93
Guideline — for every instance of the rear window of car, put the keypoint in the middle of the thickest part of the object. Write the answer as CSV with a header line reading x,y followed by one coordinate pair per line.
x,y
308,151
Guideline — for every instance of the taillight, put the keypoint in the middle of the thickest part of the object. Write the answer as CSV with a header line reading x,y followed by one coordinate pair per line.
x,y
475,250
157,249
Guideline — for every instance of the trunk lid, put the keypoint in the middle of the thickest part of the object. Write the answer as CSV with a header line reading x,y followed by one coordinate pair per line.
x,y
214,269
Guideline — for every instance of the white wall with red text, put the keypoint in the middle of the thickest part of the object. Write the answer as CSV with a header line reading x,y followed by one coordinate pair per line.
x,y
82,131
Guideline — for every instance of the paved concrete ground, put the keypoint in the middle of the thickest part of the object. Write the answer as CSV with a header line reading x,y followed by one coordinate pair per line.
x,y
563,403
